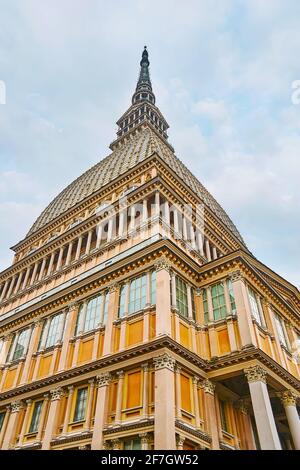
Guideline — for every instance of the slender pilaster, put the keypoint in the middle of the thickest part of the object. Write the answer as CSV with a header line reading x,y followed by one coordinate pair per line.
x,y
164,420
51,426
211,412
12,424
68,409
42,418
103,381
261,404
163,301
118,418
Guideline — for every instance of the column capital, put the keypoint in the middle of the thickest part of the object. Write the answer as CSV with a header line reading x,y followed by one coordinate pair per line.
x,y
120,374
162,264
145,437
208,386
242,406
103,379
180,440
196,379
73,305
199,291
288,398
56,393
16,406
113,287
164,361
255,374
236,276
116,444
145,366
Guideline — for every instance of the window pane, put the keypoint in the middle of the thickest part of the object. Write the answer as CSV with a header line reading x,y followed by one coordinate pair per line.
x,y
153,288
205,306
80,404
218,301
21,344
93,311
181,297
137,294
231,296
280,330
254,306
122,300
2,415
55,329
36,416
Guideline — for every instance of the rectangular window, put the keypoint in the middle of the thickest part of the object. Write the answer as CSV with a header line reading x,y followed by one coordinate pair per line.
x,y
224,416
181,297
255,308
132,444
205,307
55,330
280,330
193,303
153,287
231,297
20,344
90,313
80,406
34,424
2,416
137,294
218,301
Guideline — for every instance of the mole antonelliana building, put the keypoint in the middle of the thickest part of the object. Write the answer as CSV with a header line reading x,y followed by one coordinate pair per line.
x,y
135,317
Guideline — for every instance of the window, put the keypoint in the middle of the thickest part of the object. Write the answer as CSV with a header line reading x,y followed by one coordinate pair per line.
x,y
280,330
231,297
218,301
92,313
122,300
205,306
193,303
52,331
2,416
181,297
34,424
132,444
224,416
255,307
19,345
137,294
80,404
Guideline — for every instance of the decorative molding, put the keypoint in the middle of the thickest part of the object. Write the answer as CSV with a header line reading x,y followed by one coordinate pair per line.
x,y
236,276
162,264
113,287
16,406
103,379
180,440
194,432
208,386
255,374
56,393
242,406
164,361
116,444
145,437
288,398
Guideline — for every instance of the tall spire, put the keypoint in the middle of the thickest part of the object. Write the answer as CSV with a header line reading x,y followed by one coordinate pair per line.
x,y
143,91
142,111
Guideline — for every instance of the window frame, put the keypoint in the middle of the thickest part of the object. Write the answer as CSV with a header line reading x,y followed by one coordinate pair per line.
x,y
78,407
35,416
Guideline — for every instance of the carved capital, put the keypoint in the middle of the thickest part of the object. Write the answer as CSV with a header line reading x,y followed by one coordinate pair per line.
x,y
145,366
180,440
288,398
116,444
103,379
73,306
242,406
255,374
16,406
113,287
196,380
164,361
120,374
56,393
162,263
198,292
145,437
236,276
208,386
106,445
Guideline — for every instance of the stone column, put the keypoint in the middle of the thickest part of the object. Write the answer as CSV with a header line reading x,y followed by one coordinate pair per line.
x,y
163,301
244,317
87,424
56,395
12,283
289,401
118,418
42,418
68,410
99,235
103,381
12,424
51,263
78,249
178,391
196,401
59,261
69,253
164,420
245,420
4,290
145,439
16,289
42,268
145,369
25,421
207,250
70,325
263,414
112,308
211,412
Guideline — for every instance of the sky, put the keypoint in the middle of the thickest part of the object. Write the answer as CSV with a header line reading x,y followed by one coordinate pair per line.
x,y
223,74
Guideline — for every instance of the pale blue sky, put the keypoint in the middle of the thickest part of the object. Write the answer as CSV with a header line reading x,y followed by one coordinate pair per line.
x,y
222,72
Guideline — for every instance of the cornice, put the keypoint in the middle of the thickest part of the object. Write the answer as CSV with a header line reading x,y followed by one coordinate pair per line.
x,y
78,437
194,432
128,427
